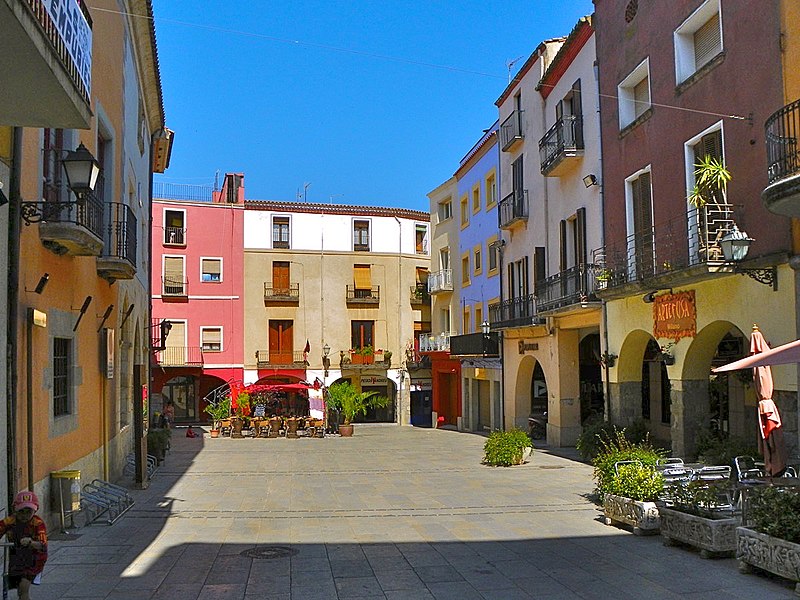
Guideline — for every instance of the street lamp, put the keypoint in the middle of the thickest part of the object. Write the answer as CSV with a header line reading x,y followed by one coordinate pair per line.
x,y
485,328
326,361
735,246
82,170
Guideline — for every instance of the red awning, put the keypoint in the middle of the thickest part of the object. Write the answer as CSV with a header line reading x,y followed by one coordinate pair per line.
x,y
780,355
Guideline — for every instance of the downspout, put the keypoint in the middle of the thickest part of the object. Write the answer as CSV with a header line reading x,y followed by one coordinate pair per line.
x,y
399,415
13,311
501,340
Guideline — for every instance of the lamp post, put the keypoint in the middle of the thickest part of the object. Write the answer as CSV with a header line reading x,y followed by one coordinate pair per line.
x,y
485,329
735,246
326,361
82,170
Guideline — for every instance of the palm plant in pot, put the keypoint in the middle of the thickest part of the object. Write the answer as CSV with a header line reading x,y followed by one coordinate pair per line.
x,y
350,402
217,412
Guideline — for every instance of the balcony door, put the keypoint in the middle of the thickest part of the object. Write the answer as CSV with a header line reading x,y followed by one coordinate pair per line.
x,y
280,278
280,342
361,333
643,246
174,352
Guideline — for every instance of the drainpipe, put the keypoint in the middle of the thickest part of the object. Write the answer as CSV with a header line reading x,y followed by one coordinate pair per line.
x,y
399,415
13,312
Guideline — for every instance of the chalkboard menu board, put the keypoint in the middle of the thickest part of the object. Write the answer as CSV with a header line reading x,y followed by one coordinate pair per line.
x,y
261,410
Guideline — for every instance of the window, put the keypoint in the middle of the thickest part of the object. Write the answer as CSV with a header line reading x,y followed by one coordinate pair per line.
x,y
444,258
445,210
211,339
476,198
640,224
465,269
491,190
281,342
634,94
174,227
211,270
477,263
362,281
280,232
518,278
707,144
361,334
493,250
421,238
62,385
361,235
174,281
464,212
698,40
478,316
53,178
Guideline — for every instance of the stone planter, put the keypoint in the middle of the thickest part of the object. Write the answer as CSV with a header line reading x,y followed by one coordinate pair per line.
x,y
777,556
642,516
711,536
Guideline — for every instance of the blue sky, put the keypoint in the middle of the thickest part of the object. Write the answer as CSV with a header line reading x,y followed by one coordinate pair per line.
x,y
348,96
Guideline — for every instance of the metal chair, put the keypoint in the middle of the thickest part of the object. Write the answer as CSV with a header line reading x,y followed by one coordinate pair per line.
x,y
746,468
713,473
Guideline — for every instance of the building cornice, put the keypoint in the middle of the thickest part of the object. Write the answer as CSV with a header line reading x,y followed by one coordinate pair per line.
x,y
336,209
575,41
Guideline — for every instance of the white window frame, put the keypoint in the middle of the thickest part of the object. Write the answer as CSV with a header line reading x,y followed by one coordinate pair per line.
x,y
353,233
629,225
219,328
164,258
218,258
625,94
689,169
684,38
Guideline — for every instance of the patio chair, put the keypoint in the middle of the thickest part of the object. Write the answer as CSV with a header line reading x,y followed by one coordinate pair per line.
x,y
746,468
713,473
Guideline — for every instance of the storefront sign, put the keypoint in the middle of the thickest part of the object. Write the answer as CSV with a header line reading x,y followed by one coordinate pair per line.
x,y
527,347
373,380
675,316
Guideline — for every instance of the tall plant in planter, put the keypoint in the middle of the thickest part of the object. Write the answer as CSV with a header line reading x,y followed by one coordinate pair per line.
x,y
217,412
350,402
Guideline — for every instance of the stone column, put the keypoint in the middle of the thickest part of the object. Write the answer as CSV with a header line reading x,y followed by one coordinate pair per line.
x,y
690,413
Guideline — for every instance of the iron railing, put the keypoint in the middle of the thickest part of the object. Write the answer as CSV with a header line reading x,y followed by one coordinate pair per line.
x,y
174,286
565,136
288,357
680,243
572,286
363,295
516,312
180,356
513,208
419,294
782,134
288,293
431,342
511,130
119,239
183,191
440,281
174,236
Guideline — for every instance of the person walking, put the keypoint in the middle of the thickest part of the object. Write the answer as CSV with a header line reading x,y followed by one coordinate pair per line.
x,y
28,534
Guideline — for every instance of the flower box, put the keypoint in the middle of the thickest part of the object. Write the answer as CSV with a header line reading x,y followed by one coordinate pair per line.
x,y
711,536
777,556
642,516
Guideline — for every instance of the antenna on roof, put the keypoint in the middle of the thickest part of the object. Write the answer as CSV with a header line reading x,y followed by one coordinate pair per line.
x,y
305,190
510,65
216,181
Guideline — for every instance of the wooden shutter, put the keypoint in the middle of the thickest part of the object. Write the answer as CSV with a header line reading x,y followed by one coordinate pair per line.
x,y
280,342
539,267
707,42
641,97
642,217
361,277
512,292
212,339
580,230
526,290
517,179
562,246
280,275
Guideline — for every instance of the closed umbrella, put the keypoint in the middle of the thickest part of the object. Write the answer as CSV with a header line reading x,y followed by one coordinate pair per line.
x,y
770,440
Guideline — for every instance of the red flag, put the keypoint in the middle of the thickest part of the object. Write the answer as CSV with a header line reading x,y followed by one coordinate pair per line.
x,y
307,349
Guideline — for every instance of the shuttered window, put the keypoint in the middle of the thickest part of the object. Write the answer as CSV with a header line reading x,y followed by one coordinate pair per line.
x,y
580,237
361,277
211,269
707,42
174,283
211,339
641,97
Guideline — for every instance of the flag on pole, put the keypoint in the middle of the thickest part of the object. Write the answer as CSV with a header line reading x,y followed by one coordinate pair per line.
x,y
306,350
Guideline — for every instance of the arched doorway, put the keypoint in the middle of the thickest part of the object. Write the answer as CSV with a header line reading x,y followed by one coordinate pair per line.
x,y
656,409
591,380
727,391
531,395
182,392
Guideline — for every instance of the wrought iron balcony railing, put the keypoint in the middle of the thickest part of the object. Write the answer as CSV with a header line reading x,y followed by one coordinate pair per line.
x,y
513,208
174,236
288,293
475,344
180,356
265,358
440,281
174,286
511,130
572,286
118,259
783,134
431,342
667,249
562,140
516,312
419,294
363,295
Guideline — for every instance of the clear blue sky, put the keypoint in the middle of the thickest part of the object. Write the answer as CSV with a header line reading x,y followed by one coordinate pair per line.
x,y
349,96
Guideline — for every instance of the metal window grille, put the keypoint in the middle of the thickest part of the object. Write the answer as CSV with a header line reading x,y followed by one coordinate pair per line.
x,y
62,357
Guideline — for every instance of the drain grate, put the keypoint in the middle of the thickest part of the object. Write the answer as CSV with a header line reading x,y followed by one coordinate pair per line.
x,y
269,552
551,467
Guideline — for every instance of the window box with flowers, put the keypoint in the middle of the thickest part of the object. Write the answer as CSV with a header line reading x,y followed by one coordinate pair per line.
x,y
362,356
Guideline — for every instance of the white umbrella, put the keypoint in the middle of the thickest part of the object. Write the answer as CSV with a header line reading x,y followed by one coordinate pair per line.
x,y
780,355
770,442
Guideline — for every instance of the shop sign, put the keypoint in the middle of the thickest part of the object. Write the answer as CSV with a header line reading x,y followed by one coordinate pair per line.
x,y
527,346
373,380
421,385
675,316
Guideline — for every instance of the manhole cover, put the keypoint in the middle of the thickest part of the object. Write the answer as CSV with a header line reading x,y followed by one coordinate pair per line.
x,y
269,552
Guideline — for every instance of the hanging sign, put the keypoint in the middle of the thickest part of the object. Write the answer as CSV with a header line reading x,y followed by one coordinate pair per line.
x,y
675,316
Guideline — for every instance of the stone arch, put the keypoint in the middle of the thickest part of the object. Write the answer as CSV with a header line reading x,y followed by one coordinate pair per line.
x,y
631,354
697,364
524,389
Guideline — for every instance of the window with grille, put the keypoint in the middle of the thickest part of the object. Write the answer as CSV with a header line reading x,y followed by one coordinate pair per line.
x,y
280,232
361,235
211,270
698,40
211,339
62,359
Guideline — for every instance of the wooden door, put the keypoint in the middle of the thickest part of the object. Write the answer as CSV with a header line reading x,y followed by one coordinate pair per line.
x,y
280,342
280,278
174,352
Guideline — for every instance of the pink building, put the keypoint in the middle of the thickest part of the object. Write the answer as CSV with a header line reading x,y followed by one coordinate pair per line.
x,y
197,283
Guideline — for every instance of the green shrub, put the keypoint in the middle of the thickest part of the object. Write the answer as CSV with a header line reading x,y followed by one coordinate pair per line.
x,y
699,497
158,442
596,430
776,512
637,482
505,448
716,449
616,449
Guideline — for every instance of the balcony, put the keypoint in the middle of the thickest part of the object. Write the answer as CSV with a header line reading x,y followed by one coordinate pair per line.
x,y
511,131
782,194
440,281
175,288
475,344
290,358
45,64
678,252
517,312
562,146
513,209
118,260
567,289
179,356
366,296
281,294
431,342
174,236
419,295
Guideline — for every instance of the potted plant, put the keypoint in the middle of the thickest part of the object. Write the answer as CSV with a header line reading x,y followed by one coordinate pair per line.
x,y
628,483
666,355
350,402
770,539
158,443
608,359
700,514
242,414
507,448
217,412
367,355
602,277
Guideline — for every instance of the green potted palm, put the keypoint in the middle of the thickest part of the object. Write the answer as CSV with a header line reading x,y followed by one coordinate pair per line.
x,y
217,412
350,402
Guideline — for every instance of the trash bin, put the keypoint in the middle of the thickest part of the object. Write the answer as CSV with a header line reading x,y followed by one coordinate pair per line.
x,y
66,494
